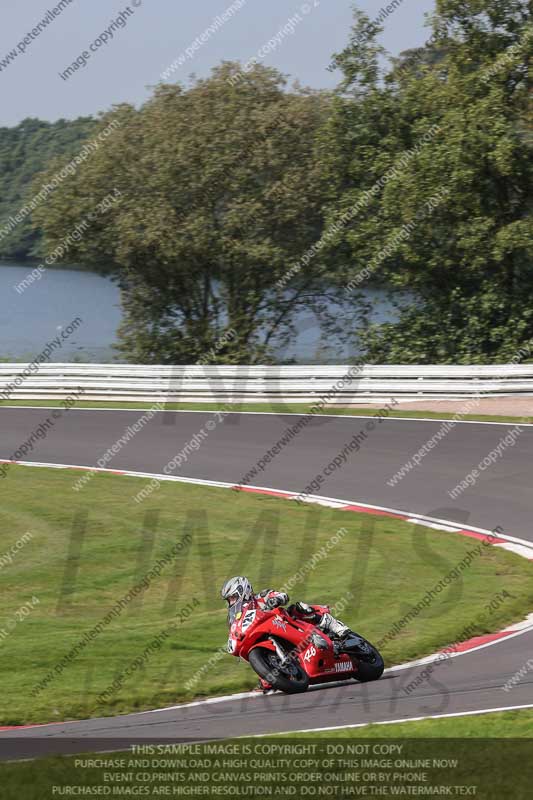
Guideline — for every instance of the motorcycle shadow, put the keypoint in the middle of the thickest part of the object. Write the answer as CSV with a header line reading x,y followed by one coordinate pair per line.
x,y
322,687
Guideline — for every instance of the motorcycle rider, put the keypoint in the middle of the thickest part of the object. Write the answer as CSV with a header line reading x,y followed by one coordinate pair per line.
x,y
238,593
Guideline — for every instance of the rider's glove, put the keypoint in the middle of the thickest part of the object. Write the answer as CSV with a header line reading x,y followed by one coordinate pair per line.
x,y
279,599
303,608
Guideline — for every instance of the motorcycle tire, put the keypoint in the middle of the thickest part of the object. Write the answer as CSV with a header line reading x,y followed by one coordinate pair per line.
x,y
266,664
371,668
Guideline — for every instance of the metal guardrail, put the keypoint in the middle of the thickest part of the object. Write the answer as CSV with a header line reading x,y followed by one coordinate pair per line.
x,y
336,384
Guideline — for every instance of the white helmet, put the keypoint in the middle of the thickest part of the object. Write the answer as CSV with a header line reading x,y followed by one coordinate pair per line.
x,y
235,592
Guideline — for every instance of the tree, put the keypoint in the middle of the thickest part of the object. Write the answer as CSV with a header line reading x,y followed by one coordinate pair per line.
x,y
220,195
443,143
25,150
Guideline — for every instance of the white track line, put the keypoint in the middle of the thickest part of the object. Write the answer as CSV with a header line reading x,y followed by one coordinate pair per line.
x,y
399,721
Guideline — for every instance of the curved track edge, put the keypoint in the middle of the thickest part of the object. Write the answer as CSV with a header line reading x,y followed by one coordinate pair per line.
x,y
513,544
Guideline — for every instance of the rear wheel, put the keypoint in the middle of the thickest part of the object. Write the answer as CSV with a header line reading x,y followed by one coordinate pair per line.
x,y
370,671
370,660
289,678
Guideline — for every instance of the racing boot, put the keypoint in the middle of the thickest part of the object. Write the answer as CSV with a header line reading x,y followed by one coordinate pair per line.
x,y
335,629
264,687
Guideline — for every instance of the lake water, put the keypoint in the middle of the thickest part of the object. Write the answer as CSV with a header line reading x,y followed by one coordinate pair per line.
x,y
31,319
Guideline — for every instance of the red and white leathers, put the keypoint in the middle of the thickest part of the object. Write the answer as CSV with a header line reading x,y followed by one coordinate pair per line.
x,y
269,598
334,628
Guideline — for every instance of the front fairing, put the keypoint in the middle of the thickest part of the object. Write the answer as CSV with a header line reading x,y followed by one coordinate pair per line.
x,y
315,650
270,624
239,625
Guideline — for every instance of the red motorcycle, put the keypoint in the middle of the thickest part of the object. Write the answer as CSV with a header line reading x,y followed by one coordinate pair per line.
x,y
291,654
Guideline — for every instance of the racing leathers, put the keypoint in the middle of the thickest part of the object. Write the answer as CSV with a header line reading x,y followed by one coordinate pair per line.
x,y
333,627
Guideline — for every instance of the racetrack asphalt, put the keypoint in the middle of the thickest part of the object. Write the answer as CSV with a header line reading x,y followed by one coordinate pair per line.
x,y
502,496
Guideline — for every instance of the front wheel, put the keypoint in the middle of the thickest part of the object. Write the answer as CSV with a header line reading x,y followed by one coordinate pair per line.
x,y
289,678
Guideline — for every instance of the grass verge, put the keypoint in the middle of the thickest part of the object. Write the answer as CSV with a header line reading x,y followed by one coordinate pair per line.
x,y
88,549
274,408
497,725
489,753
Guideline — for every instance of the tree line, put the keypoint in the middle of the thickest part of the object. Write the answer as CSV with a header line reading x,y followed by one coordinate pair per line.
x,y
25,151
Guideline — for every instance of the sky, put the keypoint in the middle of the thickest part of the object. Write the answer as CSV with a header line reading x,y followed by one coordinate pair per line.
x,y
129,47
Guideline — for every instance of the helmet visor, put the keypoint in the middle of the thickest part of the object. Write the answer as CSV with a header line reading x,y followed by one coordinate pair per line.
x,y
233,598
234,608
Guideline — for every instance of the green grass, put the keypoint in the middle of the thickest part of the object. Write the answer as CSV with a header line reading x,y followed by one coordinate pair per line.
x,y
497,725
492,750
273,408
388,564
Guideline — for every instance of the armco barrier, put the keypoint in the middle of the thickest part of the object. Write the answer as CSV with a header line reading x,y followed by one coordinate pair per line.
x,y
336,384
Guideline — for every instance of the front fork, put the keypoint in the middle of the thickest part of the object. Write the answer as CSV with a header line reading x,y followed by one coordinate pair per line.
x,y
289,661
281,654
